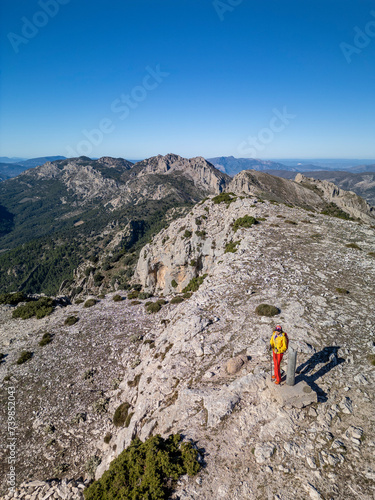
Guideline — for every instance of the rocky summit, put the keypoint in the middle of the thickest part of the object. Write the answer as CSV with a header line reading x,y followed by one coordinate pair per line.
x,y
190,354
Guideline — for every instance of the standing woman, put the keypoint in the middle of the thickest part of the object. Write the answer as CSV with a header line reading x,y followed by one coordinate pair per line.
x,y
279,343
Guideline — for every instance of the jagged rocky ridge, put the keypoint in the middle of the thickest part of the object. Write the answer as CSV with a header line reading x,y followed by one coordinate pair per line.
x,y
173,373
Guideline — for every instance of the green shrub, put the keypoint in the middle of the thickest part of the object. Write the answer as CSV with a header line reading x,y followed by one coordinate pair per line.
x,y
201,234
24,356
133,295
71,320
343,291
187,295
39,308
117,298
194,283
246,221
146,470
174,283
135,382
107,437
193,263
187,234
107,266
154,307
135,302
162,302
13,298
177,300
353,245
98,279
371,254
90,303
287,221
79,301
144,295
334,211
101,296
266,310
46,339
227,198
371,359
231,247
121,414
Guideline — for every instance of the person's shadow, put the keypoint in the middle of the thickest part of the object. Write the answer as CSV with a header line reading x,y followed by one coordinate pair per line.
x,y
328,358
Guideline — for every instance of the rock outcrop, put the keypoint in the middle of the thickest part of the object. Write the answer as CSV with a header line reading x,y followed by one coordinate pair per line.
x,y
348,201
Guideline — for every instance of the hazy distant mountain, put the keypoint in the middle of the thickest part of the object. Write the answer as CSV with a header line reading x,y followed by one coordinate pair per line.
x,y
231,165
6,159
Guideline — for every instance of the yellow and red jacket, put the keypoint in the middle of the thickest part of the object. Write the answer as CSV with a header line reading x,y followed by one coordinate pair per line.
x,y
279,342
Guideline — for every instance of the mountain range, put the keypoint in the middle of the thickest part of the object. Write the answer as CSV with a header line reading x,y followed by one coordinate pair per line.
x,y
77,225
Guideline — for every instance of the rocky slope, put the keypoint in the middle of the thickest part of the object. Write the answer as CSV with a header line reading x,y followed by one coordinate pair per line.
x,y
201,367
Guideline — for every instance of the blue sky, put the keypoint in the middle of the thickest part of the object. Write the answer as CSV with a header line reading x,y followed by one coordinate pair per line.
x,y
194,77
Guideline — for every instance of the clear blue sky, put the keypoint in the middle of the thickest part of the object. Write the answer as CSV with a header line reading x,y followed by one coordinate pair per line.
x,y
222,69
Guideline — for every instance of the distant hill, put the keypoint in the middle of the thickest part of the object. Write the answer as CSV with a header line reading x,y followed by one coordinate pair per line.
x,y
232,166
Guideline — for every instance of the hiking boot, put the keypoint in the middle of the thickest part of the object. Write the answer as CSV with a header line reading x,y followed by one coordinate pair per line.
x,y
273,377
277,382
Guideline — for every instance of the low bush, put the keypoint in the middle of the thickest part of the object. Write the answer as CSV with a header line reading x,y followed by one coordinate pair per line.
x,y
39,308
24,356
135,302
107,437
194,283
146,470
90,303
343,291
246,221
133,295
154,307
353,245
13,298
231,247
98,279
288,221
174,283
117,298
187,295
371,254
177,300
201,234
227,198
101,296
162,302
267,310
79,301
144,295
121,414
187,234
46,339
334,211
135,382
71,320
